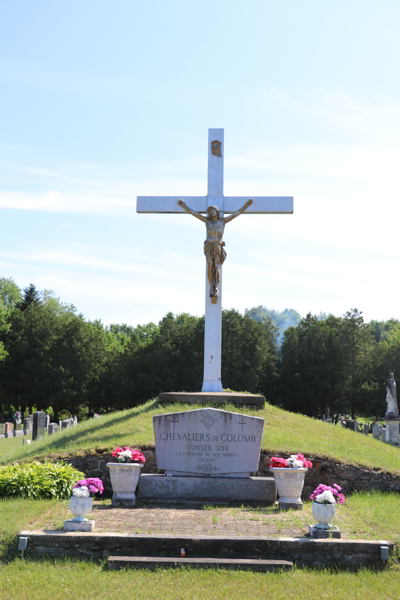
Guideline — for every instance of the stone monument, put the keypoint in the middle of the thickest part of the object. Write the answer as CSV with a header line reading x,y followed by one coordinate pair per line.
x,y
215,205
39,419
207,456
392,416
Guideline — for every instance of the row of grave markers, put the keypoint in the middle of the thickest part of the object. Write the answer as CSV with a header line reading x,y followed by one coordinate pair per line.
x,y
36,425
389,434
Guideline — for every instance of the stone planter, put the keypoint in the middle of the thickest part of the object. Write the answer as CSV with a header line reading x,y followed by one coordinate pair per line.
x,y
289,485
80,507
323,513
124,481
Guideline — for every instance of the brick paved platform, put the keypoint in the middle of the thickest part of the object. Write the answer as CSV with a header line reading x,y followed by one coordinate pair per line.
x,y
197,521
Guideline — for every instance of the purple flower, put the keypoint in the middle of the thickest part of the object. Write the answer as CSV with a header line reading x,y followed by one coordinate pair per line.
x,y
93,484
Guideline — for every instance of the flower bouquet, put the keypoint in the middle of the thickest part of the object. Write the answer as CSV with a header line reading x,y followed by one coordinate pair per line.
x,y
326,494
128,455
295,461
84,488
325,498
124,474
80,504
289,476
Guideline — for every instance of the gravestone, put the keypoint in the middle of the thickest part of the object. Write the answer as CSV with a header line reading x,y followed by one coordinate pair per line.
x,y
65,424
38,425
27,426
46,422
207,455
366,428
392,432
8,430
52,428
376,432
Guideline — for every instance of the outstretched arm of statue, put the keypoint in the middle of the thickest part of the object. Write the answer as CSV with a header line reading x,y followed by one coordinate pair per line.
x,y
192,212
238,212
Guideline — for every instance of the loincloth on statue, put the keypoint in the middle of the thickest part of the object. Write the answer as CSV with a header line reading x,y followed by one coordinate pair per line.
x,y
215,250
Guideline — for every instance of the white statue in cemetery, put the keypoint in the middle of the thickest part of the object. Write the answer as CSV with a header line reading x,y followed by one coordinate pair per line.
x,y
391,396
214,244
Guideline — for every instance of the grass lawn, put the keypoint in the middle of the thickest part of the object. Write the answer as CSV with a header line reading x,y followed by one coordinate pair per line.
x,y
284,433
373,516
65,579
8,445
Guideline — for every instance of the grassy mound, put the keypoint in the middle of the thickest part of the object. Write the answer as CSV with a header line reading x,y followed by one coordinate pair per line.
x,y
284,433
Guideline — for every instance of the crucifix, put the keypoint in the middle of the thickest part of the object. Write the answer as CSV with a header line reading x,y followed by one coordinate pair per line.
x,y
214,205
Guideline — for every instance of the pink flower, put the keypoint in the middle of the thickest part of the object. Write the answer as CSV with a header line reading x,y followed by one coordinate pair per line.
x,y
327,488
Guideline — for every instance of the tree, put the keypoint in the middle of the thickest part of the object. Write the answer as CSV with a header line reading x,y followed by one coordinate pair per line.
x,y
308,373
281,319
355,345
4,326
248,353
10,293
31,297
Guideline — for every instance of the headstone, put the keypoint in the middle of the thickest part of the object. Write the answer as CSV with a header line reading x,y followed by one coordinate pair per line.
x,y
366,428
27,426
52,428
392,432
75,421
8,430
65,424
376,432
207,455
38,425
46,422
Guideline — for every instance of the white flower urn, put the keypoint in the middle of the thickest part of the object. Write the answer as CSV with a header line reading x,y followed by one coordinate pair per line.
x,y
323,513
124,480
80,508
289,486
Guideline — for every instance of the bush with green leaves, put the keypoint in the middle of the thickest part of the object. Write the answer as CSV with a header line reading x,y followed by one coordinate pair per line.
x,y
38,480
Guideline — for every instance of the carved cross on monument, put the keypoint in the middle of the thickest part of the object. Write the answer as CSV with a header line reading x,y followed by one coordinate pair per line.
x,y
215,202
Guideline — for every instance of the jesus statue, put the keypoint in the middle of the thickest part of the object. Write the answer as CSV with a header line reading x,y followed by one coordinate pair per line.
x,y
214,244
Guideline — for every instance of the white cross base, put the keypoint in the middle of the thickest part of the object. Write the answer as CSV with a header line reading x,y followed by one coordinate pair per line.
x,y
226,204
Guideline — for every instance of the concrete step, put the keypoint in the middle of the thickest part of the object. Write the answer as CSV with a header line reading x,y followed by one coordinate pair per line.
x,y
151,562
353,554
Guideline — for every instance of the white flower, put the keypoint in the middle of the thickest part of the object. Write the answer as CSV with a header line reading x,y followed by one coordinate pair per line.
x,y
125,456
326,498
81,492
294,463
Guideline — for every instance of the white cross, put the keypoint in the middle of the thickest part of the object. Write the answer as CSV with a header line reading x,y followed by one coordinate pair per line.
x,y
226,204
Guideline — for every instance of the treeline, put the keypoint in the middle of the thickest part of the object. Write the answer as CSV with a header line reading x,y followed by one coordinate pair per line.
x,y
52,356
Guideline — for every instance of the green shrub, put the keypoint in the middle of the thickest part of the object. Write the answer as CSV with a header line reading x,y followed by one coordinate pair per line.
x,y
38,480
64,414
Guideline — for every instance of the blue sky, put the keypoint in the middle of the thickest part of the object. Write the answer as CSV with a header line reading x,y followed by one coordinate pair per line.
x,y
103,101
